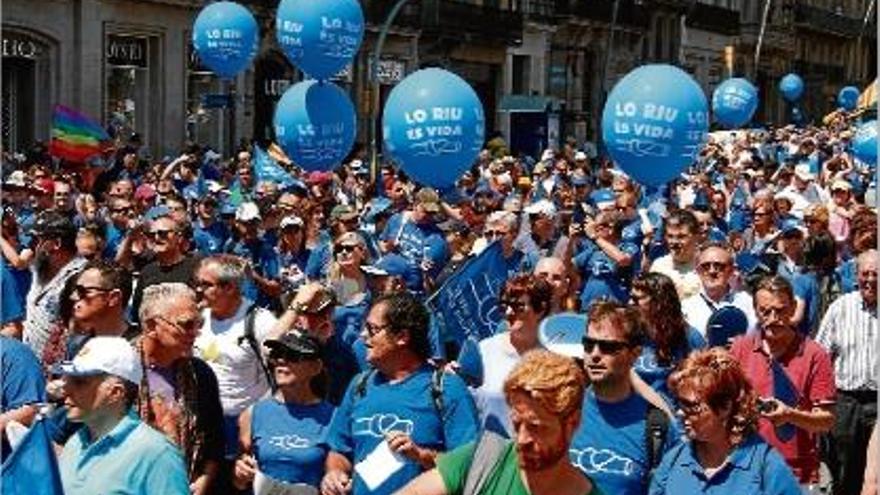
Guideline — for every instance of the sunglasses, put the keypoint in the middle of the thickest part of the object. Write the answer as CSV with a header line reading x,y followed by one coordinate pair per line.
x,y
345,248
493,234
82,292
515,306
605,346
159,235
126,209
185,326
713,265
690,408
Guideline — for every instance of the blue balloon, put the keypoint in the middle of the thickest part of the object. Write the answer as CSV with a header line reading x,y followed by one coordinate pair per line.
x,y
864,144
433,126
315,124
734,102
848,98
226,38
655,122
320,37
792,87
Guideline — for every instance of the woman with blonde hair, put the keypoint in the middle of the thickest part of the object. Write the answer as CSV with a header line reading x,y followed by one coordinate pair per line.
x,y
724,454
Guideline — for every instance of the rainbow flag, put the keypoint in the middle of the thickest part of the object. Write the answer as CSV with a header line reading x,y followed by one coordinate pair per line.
x,y
75,137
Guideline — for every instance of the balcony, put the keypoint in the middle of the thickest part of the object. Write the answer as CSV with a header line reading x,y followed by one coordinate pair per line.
x,y
450,18
631,13
826,21
714,19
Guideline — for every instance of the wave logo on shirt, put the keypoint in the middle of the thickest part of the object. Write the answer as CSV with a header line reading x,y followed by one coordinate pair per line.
x,y
289,442
379,425
591,460
647,362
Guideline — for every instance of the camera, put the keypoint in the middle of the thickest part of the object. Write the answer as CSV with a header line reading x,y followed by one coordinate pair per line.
x,y
766,406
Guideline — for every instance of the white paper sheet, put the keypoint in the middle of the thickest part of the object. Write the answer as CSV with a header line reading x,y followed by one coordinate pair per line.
x,y
266,485
379,465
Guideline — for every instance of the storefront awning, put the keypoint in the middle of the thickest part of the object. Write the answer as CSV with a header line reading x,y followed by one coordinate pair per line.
x,y
528,103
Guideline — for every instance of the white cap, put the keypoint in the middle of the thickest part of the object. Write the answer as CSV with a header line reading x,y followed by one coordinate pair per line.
x,y
580,156
356,164
291,221
111,355
547,156
16,179
803,173
542,207
247,212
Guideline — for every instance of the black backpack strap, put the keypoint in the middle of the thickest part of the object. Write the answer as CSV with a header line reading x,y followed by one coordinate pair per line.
x,y
250,336
656,428
487,454
361,380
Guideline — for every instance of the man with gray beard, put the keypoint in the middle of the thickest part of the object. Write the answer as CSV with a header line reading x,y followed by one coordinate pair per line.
x,y
55,261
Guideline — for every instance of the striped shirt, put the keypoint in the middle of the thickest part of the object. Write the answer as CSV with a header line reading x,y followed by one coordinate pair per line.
x,y
849,333
44,305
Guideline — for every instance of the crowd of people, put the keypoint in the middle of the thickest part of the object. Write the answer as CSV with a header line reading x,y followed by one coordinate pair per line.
x,y
187,326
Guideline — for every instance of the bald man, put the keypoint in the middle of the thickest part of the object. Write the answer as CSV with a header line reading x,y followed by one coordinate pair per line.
x,y
554,271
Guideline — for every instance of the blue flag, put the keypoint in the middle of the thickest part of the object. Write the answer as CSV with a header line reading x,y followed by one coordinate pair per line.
x,y
467,303
32,467
784,391
267,169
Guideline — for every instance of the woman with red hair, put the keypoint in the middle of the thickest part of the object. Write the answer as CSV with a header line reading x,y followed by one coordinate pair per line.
x,y
724,454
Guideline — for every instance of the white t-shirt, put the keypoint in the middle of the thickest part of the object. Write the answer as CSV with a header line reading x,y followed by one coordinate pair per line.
x,y
686,280
222,345
697,311
499,358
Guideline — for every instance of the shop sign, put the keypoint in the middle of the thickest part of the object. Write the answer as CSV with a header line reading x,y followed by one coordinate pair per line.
x,y
390,71
18,46
126,51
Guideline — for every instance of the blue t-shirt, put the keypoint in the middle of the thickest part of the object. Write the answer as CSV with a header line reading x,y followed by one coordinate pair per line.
x,y
210,239
23,381
806,288
753,467
417,242
655,374
846,274
289,439
262,256
610,445
318,262
603,277
12,299
362,420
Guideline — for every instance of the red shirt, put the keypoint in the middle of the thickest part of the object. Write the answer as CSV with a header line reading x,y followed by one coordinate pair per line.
x,y
808,366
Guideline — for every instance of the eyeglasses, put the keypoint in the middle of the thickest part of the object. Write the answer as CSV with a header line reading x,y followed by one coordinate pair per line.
x,y
201,285
768,312
185,326
124,209
713,265
690,408
345,248
373,330
514,305
160,235
605,346
82,292
494,234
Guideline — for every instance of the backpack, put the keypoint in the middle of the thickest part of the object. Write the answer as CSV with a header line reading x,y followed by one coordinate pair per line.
x,y
656,429
360,388
487,454
251,338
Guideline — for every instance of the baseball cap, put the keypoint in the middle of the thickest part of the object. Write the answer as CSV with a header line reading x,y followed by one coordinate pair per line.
x,y
16,179
541,207
540,168
296,343
318,177
45,186
792,226
291,221
391,264
342,213
841,185
53,224
378,206
110,355
724,324
580,156
803,172
429,199
247,212
145,192
157,212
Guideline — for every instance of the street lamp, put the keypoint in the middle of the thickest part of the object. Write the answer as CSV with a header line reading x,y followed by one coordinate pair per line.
x,y
373,72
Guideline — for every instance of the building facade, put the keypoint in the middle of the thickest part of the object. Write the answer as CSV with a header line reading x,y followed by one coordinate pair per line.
x,y
542,68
